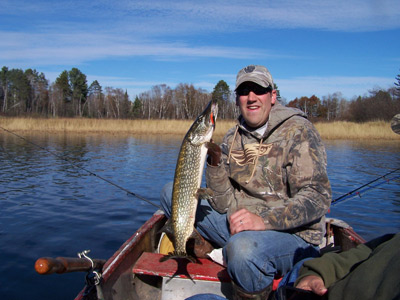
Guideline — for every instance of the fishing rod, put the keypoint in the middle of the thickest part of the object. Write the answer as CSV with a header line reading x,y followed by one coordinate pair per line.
x,y
367,186
82,168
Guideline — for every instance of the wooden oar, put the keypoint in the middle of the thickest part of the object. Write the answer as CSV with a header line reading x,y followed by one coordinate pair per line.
x,y
49,265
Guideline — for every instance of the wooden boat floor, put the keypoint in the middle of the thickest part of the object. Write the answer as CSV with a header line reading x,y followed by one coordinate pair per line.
x,y
149,264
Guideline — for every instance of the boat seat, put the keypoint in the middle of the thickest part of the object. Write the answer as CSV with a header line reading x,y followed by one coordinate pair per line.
x,y
149,264
182,278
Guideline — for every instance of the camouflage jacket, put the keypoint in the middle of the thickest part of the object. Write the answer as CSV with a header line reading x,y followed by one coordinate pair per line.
x,y
280,176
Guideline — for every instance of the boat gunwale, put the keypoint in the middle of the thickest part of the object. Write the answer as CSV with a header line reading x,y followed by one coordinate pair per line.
x,y
118,257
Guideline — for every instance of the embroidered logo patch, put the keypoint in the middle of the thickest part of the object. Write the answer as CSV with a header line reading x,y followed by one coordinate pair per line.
x,y
251,151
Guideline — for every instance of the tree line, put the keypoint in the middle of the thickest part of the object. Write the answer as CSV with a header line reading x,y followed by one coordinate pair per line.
x,y
29,93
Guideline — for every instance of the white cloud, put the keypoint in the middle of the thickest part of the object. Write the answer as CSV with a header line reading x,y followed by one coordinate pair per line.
x,y
235,15
160,18
76,48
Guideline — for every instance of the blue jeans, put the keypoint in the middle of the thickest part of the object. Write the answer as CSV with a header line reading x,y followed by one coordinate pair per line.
x,y
253,257
289,279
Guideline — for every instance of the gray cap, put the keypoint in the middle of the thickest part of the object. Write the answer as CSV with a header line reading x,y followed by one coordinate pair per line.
x,y
256,74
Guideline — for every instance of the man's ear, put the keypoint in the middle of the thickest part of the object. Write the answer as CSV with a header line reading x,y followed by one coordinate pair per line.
x,y
237,100
273,97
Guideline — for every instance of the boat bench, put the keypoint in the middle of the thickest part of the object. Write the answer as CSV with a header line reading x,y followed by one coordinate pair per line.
x,y
149,264
182,278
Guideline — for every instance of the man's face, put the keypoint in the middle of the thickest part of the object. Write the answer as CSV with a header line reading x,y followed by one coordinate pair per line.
x,y
255,103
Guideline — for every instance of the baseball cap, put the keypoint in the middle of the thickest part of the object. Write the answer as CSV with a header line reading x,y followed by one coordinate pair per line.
x,y
255,73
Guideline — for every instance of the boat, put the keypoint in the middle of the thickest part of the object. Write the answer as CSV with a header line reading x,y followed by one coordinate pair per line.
x,y
135,272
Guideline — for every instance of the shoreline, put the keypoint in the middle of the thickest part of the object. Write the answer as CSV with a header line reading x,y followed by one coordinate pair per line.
x,y
338,130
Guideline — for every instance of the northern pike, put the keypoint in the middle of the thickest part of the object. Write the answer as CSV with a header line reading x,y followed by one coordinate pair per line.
x,y
186,187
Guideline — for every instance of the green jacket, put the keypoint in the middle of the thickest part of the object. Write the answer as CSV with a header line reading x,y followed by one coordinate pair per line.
x,y
280,175
369,271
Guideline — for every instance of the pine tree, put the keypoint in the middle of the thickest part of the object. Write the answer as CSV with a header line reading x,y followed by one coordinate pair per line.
x,y
136,108
221,93
4,88
397,84
62,84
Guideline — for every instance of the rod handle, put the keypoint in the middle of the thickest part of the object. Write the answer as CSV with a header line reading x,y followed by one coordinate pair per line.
x,y
49,265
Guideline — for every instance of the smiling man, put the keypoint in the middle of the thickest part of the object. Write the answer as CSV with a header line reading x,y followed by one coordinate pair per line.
x,y
255,98
270,184
271,189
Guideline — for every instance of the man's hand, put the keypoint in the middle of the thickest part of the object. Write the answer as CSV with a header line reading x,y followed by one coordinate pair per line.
x,y
314,284
214,153
245,220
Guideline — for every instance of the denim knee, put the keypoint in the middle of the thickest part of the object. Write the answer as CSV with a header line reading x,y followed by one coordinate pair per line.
x,y
254,257
240,248
244,266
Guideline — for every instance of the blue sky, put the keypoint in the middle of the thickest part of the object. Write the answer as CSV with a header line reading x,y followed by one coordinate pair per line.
x,y
310,46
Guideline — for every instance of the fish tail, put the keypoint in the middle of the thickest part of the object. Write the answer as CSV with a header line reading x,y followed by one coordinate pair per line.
x,y
176,255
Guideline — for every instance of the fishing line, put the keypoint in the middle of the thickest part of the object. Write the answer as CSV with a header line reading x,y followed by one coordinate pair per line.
x,y
82,168
353,193
367,186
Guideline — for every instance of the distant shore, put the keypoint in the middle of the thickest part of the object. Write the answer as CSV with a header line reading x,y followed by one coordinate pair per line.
x,y
377,130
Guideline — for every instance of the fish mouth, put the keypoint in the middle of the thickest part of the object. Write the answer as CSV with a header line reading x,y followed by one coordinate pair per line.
x,y
214,113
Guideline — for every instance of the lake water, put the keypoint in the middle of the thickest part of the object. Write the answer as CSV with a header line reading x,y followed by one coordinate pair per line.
x,y
50,207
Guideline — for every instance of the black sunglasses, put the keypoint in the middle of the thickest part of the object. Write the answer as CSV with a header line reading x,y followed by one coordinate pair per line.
x,y
256,89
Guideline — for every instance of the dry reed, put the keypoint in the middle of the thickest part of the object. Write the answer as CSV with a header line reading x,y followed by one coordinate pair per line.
x,y
377,130
83,125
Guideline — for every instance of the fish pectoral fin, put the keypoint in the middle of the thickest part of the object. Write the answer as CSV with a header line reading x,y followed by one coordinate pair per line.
x,y
204,193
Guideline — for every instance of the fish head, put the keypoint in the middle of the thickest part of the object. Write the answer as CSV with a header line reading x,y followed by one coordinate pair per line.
x,y
202,129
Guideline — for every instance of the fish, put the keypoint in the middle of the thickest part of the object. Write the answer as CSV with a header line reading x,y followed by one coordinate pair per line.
x,y
187,181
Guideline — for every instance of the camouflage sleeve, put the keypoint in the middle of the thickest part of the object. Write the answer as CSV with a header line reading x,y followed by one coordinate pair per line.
x,y
308,189
218,180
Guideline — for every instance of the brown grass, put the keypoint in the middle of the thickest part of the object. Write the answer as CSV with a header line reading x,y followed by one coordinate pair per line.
x,y
82,125
376,130
334,130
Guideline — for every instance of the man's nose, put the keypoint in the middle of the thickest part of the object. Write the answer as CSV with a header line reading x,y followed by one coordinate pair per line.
x,y
252,96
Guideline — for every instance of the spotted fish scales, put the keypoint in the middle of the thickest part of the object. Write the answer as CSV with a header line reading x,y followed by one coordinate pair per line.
x,y
187,180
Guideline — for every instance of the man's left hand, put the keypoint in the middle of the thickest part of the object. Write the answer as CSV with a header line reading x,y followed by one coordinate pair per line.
x,y
312,283
214,153
244,220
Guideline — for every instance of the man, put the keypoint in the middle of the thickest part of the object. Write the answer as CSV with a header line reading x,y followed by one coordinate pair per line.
x,y
271,189
368,271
